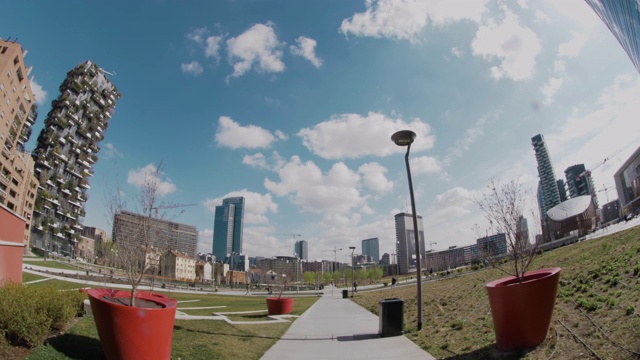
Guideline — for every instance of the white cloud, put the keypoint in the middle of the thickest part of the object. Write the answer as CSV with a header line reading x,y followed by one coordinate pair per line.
x,y
550,89
425,165
307,49
334,194
232,135
456,52
193,68
352,136
572,47
141,176
256,206
560,65
205,241
257,46
198,35
406,19
212,48
39,94
514,45
110,151
463,144
453,203
256,160
597,130
374,178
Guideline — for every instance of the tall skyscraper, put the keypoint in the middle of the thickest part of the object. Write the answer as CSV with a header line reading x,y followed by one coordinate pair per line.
x,y
66,151
167,235
371,248
622,17
562,190
548,194
405,242
301,249
227,228
18,112
579,182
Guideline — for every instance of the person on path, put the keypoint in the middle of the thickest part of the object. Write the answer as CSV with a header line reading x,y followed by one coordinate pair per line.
x,y
248,289
393,282
355,287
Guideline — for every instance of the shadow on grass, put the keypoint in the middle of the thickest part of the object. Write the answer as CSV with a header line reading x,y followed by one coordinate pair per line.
x,y
489,352
77,346
177,327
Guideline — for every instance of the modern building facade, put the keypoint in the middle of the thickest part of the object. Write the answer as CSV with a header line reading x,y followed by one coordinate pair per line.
x,y
562,189
227,228
301,249
66,151
18,112
166,235
627,180
548,194
580,182
622,17
405,242
574,217
371,249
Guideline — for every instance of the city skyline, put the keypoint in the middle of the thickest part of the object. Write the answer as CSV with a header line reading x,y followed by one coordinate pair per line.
x,y
292,104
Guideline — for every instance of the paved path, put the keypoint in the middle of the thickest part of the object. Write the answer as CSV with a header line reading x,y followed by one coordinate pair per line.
x,y
337,328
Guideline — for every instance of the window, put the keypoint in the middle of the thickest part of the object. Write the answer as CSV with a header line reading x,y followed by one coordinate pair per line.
x,y
3,50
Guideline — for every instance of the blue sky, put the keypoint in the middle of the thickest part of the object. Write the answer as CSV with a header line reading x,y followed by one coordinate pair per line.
x,y
292,104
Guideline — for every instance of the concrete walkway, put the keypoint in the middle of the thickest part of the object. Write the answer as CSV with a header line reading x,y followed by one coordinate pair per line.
x,y
335,328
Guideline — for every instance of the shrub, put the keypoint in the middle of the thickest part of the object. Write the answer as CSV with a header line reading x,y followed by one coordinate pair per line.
x,y
28,314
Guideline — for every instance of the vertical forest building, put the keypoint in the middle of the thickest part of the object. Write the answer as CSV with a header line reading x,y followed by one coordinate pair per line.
x,y
65,153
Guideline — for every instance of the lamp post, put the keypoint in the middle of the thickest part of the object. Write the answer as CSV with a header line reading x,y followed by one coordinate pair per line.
x,y
406,138
353,280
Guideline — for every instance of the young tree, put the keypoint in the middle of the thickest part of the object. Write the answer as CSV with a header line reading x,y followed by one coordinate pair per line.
x,y
503,206
134,239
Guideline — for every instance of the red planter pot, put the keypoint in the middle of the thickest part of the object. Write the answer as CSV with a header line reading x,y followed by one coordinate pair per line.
x,y
522,311
133,332
279,306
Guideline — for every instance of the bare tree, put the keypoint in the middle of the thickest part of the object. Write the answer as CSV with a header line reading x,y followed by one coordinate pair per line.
x,y
503,206
133,233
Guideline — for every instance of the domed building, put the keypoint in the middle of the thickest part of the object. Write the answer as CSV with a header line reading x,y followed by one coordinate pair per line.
x,y
576,216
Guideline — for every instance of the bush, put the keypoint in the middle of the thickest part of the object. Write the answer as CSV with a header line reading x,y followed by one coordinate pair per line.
x,y
28,314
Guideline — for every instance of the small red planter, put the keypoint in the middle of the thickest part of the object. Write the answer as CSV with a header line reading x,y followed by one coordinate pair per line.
x,y
133,332
522,311
279,306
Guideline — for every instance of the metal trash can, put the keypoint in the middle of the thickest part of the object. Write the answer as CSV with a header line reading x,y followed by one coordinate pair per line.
x,y
345,293
391,317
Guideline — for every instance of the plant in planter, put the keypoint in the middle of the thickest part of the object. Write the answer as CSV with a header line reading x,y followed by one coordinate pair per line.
x,y
134,324
279,305
521,304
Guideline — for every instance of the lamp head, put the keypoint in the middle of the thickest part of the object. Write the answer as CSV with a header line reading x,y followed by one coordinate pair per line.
x,y
403,137
352,247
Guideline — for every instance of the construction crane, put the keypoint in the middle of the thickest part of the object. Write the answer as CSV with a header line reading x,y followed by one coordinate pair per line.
x,y
173,206
606,191
587,172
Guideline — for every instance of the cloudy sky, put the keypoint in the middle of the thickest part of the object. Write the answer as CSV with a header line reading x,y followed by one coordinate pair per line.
x,y
291,104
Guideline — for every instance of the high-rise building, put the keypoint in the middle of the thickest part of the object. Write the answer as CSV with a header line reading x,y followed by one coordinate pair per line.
x,y
167,235
18,112
622,17
227,228
562,190
301,249
66,151
580,182
548,194
405,242
371,248
627,180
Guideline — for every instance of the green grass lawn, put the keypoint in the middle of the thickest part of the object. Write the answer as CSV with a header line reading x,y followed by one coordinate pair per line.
x,y
192,339
52,264
598,303
27,277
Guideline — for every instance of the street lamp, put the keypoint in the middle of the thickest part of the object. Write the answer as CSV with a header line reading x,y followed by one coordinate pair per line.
x,y
353,281
406,138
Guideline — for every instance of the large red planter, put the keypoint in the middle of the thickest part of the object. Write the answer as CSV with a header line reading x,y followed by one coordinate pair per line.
x,y
279,306
133,332
522,311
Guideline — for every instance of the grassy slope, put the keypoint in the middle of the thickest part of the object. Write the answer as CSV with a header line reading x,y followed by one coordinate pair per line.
x,y
598,302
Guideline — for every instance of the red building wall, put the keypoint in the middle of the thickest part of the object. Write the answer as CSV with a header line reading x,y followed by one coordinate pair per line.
x,y
11,245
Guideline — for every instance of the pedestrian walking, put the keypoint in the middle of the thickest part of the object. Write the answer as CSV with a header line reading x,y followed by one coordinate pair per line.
x,y
248,289
355,287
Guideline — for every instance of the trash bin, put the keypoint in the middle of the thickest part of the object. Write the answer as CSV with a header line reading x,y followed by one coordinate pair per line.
x,y
345,293
391,317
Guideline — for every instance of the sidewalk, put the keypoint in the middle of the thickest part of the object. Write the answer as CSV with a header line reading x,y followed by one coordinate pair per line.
x,y
335,328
